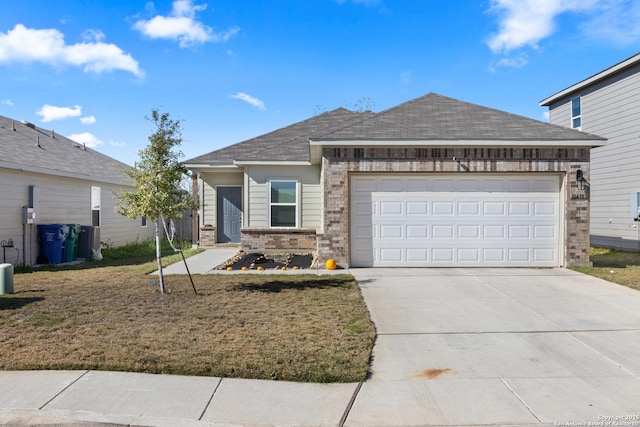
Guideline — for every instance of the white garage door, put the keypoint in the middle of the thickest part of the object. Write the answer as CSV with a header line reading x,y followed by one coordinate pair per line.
x,y
454,220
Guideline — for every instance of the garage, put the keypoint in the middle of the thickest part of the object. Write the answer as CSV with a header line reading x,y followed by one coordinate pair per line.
x,y
450,220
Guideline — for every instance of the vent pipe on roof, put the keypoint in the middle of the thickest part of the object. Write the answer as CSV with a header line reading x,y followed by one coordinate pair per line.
x,y
53,135
84,146
38,140
13,125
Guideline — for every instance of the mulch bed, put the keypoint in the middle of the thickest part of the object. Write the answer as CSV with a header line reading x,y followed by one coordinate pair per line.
x,y
251,261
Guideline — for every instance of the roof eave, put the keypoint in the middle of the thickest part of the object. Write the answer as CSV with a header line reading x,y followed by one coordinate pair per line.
x,y
591,80
65,174
460,143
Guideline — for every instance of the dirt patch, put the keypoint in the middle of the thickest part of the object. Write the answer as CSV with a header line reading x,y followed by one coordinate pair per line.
x,y
256,261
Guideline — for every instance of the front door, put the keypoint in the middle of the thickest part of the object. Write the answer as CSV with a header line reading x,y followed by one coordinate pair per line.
x,y
229,213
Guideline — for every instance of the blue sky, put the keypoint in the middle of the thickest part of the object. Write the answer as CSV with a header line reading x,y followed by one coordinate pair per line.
x,y
234,69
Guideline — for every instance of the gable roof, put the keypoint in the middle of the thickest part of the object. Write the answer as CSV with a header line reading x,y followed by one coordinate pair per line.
x,y
434,117
288,144
614,69
27,147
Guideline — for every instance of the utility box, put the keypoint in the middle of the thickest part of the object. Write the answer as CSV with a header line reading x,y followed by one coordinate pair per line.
x,y
6,279
88,242
635,206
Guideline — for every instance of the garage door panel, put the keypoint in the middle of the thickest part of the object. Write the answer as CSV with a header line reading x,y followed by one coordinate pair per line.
x,y
519,255
519,208
391,232
442,208
545,232
391,255
455,221
494,231
417,208
519,232
390,208
469,232
494,256
419,255
544,208
494,208
443,255
468,255
417,232
469,208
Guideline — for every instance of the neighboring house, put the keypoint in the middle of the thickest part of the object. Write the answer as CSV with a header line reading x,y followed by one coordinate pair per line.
x,y
608,104
63,182
431,182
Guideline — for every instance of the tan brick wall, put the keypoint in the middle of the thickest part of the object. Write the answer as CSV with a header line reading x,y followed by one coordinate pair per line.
x,y
207,236
281,239
339,163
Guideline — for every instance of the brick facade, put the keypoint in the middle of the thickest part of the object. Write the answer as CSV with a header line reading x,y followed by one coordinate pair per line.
x,y
339,163
281,239
207,236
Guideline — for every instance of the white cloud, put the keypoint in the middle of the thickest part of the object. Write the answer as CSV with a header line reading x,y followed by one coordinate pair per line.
x,y
250,100
518,61
116,144
615,21
24,44
181,24
526,22
87,120
50,113
8,102
86,138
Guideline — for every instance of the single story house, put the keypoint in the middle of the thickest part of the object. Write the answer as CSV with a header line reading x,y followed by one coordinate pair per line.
x,y
49,179
433,182
608,104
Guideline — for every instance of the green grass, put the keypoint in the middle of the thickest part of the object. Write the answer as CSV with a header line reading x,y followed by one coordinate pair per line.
x,y
622,267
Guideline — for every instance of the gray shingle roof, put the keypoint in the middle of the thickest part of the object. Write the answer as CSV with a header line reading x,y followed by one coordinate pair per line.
x,y
57,154
430,117
436,117
290,143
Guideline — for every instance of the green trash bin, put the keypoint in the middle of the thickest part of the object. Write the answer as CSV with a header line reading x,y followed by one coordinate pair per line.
x,y
6,279
71,247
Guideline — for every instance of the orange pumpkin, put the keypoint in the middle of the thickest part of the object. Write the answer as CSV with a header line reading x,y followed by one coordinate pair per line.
x,y
331,264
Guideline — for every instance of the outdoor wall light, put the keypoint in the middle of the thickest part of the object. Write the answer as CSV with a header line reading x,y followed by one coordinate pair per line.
x,y
580,179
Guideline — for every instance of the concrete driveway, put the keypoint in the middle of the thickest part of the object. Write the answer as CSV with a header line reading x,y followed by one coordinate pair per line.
x,y
499,347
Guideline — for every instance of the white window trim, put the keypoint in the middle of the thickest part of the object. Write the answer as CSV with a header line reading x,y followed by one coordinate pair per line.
x,y
296,204
579,116
96,204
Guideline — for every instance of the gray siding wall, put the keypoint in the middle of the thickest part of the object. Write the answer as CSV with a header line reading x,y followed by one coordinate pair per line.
x,y
611,109
310,203
62,201
208,197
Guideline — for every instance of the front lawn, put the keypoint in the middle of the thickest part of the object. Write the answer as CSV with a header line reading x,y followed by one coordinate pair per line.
x,y
622,267
109,317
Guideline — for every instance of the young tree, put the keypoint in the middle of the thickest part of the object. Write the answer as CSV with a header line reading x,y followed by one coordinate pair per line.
x,y
157,177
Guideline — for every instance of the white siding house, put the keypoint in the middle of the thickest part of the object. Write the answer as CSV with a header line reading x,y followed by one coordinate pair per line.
x,y
64,183
608,104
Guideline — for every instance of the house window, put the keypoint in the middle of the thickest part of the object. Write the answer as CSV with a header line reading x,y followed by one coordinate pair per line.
x,y
576,113
284,203
96,198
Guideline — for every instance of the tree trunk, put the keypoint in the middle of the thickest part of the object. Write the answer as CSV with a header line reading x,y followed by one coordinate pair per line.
x,y
159,256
